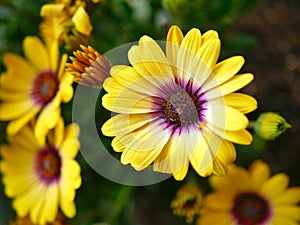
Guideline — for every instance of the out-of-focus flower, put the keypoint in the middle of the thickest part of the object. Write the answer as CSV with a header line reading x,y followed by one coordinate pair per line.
x,y
89,67
34,86
26,221
251,197
66,21
188,202
270,125
42,178
179,107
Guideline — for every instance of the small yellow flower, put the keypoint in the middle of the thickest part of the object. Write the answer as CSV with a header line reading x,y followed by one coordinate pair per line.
x,y
188,202
34,86
41,178
89,67
251,197
270,125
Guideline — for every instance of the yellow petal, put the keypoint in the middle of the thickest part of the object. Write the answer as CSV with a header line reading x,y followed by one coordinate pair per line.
x,y
129,78
191,41
12,110
260,173
50,209
209,52
147,137
174,39
289,196
52,9
82,22
242,137
275,185
223,71
202,158
19,67
125,123
219,201
128,102
14,126
226,118
36,52
290,211
175,155
210,34
242,102
232,85
180,175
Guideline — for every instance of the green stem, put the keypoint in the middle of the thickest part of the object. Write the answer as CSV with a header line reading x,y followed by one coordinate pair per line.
x,y
120,201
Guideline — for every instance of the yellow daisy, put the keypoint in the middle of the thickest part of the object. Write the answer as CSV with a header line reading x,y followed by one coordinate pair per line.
x,y
42,178
35,85
251,197
188,202
178,107
66,21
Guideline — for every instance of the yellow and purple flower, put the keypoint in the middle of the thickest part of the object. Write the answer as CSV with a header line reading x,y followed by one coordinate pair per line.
x,y
34,86
42,178
251,197
178,108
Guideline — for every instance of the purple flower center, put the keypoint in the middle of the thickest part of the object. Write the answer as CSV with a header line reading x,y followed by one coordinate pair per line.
x,y
250,209
45,87
48,164
184,106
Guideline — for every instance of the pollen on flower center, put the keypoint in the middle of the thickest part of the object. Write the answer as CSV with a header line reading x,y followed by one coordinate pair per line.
x,y
250,209
182,109
48,164
45,87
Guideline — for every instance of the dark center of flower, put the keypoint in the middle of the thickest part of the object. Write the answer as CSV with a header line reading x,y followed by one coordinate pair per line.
x,y
48,164
182,109
250,209
189,204
45,87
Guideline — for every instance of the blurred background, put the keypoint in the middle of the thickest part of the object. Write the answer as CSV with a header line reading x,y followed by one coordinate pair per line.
x,y
265,32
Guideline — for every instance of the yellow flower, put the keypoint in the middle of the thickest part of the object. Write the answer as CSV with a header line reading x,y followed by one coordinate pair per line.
x,y
188,202
35,85
89,68
251,197
270,125
179,107
66,21
42,178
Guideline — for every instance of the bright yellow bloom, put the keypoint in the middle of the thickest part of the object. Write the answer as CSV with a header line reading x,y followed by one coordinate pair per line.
x,y
188,202
251,197
42,178
270,125
35,85
66,21
178,107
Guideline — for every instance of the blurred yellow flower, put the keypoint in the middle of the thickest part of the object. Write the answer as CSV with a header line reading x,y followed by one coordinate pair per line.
x,y
178,107
66,21
188,202
34,86
270,125
251,197
42,178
